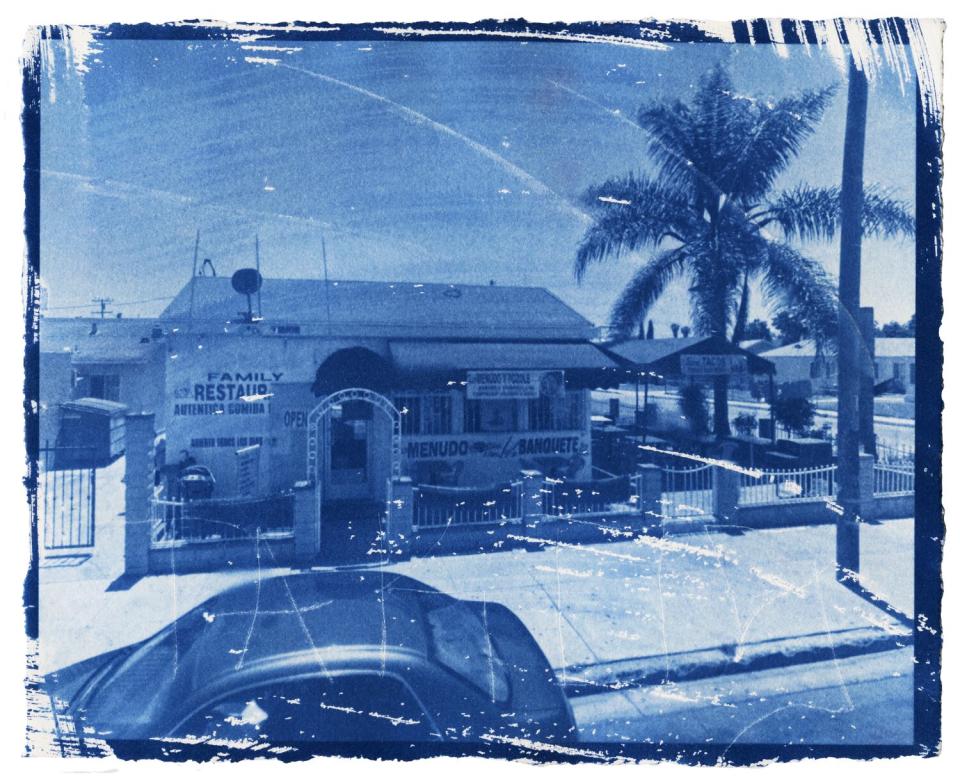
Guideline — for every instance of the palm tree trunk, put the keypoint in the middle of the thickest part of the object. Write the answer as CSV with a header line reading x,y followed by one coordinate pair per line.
x,y
721,413
848,361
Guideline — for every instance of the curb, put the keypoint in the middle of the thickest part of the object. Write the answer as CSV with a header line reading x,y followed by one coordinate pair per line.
x,y
589,679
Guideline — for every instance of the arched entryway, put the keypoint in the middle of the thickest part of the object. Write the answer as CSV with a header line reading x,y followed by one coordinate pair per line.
x,y
353,452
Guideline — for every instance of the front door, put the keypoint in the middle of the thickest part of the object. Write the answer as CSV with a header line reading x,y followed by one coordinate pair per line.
x,y
348,459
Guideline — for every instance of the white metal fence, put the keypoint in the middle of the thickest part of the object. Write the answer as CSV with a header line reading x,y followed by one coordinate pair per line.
x,y
779,486
616,493
175,520
442,506
687,492
893,480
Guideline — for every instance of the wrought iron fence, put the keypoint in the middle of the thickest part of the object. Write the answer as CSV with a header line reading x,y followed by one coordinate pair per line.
x,y
779,486
895,455
893,480
442,506
67,497
687,492
176,520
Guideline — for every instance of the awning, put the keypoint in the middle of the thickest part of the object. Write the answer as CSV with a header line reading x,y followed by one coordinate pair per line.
x,y
424,362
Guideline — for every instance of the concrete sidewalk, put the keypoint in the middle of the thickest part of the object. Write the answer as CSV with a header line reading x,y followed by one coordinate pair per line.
x,y
587,605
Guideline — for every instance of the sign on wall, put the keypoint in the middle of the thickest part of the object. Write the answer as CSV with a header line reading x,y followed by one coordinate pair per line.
x,y
226,393
514,384
703,365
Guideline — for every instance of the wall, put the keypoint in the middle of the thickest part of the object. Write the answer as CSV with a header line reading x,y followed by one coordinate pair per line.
x,y
56,387
204,375
182,558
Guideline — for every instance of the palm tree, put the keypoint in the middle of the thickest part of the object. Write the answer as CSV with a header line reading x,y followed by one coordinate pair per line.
x,y
714,218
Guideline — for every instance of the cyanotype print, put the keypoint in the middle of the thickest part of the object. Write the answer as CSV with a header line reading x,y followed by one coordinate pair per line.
x,y
552,392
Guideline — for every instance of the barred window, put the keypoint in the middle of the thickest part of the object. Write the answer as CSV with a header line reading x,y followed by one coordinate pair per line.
x,y
435,414
425,414
409,408
550,414
491,415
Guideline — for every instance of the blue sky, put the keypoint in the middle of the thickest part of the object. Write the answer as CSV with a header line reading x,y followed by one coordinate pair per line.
x,y
441,161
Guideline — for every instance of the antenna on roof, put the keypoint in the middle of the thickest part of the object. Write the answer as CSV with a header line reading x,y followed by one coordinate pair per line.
x,y
326,280
193,277
259,306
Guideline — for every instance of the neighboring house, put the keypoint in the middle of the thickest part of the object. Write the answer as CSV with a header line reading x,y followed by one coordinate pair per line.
x,y
894,357
757,346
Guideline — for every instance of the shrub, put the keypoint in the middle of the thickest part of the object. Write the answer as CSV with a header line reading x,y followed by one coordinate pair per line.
x,y
745,423
794,413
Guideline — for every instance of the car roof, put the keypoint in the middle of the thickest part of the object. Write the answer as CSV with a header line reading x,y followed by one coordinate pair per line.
x,y
304,612
258,623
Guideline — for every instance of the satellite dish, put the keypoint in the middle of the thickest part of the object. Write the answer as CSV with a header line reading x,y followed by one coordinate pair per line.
x,y
247,281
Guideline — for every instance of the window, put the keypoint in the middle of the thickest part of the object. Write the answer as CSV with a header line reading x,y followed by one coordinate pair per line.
x,y
913,373
491,415
548,414
100,387
898,370
425,414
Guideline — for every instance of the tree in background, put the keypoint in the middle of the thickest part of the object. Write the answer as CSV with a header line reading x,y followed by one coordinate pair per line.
x,y
650,329
713,216
675,328
685,331
896,329
794,413
757,330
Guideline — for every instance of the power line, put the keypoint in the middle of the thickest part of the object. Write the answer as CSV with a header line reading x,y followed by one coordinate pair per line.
x,y
109,301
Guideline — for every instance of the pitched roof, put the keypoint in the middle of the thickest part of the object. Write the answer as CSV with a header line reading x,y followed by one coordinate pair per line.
x,y
664,355
399,308
800,348
649,351
883,347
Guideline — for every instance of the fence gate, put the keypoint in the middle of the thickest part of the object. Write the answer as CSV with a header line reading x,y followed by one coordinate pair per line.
x,y
688,492
67,497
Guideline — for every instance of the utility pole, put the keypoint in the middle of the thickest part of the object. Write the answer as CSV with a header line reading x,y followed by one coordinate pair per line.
x,y
102,302
849,361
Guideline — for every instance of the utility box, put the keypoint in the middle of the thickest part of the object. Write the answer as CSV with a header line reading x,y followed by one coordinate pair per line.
x,y
91,431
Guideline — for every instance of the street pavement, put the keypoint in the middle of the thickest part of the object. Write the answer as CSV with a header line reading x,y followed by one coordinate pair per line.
x,y
592,604
862,700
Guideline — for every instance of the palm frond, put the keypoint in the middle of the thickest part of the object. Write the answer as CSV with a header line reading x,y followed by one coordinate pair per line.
x,y
630,213
809,213
671,144
644,289
775,135
796,283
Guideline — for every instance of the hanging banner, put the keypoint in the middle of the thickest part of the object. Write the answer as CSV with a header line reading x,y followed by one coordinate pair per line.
x,y
514,384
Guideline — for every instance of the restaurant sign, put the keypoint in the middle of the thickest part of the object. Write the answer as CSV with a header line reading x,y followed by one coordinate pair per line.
x,y
703,365
514,384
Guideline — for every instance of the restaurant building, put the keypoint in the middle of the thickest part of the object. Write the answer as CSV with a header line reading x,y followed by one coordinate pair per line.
x,y
345,383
